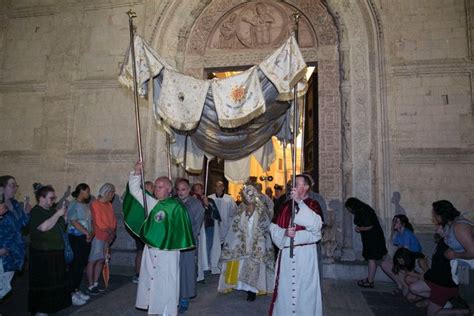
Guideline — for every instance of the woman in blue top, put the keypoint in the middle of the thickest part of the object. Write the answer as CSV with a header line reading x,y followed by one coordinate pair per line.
x,y
80,233
12,244
404,237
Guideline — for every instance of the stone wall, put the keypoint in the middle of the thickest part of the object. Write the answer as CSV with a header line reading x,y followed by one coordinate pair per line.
x,y
397,106
429,56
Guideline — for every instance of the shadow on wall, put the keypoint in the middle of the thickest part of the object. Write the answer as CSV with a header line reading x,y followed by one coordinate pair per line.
x,y
396,197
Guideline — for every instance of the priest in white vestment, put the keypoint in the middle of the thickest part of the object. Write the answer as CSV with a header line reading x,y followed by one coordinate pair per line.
x,y
227,208
247,258
297,284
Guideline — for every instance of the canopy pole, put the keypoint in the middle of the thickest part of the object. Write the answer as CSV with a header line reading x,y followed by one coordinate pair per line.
x,y
206,179
131,16
285,170
185,156
303,121
296,17
168,146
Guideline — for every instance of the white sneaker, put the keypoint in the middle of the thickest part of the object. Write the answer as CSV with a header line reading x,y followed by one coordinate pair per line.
x,y
448,305
76,300
136,279
82,295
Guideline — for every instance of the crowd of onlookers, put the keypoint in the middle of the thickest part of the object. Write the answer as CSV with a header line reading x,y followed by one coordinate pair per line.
x,y
68,239
65,239
450,276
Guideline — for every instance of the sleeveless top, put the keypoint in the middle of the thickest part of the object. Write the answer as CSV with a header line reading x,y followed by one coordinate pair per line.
x,y
450,237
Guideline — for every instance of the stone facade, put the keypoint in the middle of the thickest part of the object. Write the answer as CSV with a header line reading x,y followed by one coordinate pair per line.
x,y
395,93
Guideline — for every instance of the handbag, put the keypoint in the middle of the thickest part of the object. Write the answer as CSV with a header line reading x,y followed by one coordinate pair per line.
x,y
68,253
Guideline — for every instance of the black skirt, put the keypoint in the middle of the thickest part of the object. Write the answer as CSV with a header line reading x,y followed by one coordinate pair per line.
x,y
373,242
48,291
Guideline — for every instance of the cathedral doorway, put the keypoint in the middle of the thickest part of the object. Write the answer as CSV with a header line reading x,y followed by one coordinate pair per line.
x,y
275,175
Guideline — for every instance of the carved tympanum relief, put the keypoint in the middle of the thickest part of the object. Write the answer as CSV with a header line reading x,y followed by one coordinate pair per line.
x,y
258,25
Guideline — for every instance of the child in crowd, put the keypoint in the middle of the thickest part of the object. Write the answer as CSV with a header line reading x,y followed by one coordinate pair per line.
x,y
404,238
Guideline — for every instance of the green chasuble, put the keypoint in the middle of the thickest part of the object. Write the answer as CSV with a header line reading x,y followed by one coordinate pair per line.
x,y
167,226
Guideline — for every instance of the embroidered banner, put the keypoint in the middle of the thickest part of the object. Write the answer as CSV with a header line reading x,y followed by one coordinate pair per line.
x,y
238,99
181,100
147,62
285,68
194,155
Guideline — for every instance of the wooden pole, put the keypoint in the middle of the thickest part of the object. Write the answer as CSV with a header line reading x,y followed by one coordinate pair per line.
x,y
206,179
285,170
185,156
296,17
168,156
303,122
131,16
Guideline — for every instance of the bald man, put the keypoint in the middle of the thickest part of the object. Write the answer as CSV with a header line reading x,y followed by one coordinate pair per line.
x,y
166,230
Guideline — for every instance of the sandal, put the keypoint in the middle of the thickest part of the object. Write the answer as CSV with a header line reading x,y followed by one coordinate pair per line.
x,y
365,284
396,292
421,303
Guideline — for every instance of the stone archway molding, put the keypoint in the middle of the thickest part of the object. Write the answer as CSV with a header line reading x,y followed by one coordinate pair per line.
x,y
348,51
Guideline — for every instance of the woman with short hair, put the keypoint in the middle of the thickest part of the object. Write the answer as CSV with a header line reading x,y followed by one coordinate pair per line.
x,y
105,225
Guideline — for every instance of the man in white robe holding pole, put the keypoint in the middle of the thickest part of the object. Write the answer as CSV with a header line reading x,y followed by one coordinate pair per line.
x,y
165,230
297,285
227,209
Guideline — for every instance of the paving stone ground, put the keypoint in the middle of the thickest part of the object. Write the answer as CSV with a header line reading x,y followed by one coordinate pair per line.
x,y
340,298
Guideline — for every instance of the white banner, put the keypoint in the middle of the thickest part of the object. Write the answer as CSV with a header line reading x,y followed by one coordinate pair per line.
x,y
238,99
181,100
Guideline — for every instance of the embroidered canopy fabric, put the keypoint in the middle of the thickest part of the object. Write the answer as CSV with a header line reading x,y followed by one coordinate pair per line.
x,y
228,118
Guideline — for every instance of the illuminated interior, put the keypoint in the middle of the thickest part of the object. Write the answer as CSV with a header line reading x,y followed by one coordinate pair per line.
x,y
276,170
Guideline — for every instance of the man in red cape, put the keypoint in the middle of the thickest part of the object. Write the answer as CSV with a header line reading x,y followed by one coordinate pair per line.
x,y
297,287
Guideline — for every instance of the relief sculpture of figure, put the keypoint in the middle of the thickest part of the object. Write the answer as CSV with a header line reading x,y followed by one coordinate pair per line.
x,y
227,33
260,25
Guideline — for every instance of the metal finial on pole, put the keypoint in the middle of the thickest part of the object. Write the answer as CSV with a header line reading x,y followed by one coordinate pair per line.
x,y
296,18
131,16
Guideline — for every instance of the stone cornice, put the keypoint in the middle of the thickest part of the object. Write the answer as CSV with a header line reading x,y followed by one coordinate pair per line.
x,y
22,86
110,5
81,156
432,67
106,83
32,11
29,12
20,156
435,155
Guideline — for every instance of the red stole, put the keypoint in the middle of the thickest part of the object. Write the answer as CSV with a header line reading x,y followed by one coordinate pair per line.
x,y
283,219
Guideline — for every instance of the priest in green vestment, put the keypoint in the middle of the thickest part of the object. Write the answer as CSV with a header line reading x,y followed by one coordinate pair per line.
x,y
165,230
